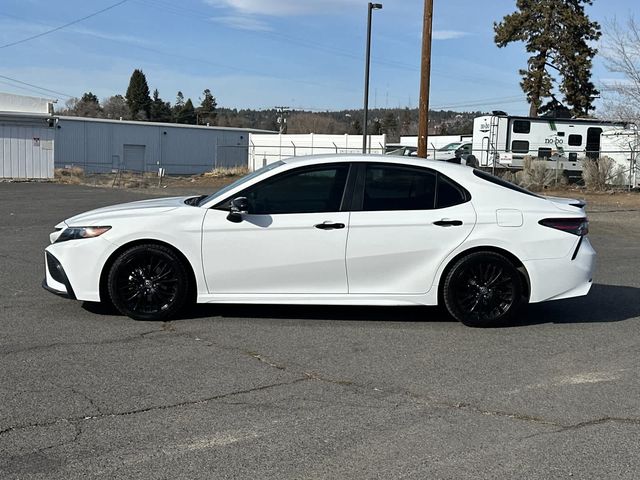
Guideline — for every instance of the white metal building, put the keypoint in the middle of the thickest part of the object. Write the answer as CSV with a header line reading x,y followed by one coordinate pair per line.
x,y
26,146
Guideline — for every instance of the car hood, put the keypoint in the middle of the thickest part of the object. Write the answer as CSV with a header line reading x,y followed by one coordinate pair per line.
x,y
132,209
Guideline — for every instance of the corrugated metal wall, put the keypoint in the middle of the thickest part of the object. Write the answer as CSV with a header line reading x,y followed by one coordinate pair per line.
x,y
98,147
26,150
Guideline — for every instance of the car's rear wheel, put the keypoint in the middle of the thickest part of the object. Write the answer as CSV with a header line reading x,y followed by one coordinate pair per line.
x,y
483,289
148,282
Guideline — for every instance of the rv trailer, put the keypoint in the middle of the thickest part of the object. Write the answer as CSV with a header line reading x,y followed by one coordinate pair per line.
x,y
503,141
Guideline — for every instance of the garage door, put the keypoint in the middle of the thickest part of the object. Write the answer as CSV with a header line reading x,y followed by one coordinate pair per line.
x,y
134,157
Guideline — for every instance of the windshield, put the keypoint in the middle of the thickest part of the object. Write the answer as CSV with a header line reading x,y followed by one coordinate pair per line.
x,y
451,146
240,181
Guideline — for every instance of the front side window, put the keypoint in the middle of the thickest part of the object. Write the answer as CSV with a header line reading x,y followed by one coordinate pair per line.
x,y
306,190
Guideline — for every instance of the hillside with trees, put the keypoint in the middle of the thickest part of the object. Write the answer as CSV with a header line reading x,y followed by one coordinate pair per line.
x,y
138,104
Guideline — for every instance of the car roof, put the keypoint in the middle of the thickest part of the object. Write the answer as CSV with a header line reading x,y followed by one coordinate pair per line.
x,y
377,158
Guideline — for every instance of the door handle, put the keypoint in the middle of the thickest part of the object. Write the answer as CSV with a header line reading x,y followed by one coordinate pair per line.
x,y
448,223
329,226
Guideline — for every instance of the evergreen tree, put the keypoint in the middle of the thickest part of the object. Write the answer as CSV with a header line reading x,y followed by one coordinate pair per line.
x,y
160,111
178,106
187,113
138,96
557,35
390,126
207,110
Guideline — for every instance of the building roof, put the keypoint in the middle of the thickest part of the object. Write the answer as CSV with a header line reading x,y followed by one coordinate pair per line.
x,y
158,124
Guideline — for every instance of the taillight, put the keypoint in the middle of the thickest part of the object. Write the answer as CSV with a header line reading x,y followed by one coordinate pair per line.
x,y
575,226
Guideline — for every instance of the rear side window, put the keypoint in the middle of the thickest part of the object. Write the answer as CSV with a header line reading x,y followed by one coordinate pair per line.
x,y
398,188
503,183
449,193
391,187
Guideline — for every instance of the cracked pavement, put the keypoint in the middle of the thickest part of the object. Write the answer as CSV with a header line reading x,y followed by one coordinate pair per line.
x,y
318,392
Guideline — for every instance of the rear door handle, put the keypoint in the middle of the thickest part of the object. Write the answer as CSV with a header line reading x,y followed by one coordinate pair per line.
x,y
329,226
448,223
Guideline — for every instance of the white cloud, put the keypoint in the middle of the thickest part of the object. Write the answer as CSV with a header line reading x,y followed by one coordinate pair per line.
x,y
243,23
448,34
279,8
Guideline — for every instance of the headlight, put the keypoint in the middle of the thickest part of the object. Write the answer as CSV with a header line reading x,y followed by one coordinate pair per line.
x,y
76,233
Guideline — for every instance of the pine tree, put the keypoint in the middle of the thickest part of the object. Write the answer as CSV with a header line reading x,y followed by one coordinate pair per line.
x,y
160,111
557,35
178,106
138,96
187,114
207,110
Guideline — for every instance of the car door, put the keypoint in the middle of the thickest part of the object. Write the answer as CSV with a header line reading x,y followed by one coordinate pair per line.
x,y
406,220
291,241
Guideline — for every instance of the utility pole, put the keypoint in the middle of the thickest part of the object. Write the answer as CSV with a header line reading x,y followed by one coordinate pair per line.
x,y
283,113
367,61
425,77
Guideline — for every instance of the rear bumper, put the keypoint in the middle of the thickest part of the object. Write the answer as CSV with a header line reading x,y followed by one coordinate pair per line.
x,y
56,280
571,276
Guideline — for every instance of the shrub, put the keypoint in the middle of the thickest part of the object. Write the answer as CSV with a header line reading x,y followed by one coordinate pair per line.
x,y
536,175
597,173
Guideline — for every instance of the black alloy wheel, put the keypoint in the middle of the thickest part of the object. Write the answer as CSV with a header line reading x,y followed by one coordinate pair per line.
x,y
148,282
483,289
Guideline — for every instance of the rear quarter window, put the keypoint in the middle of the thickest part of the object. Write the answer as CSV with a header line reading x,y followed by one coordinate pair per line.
x,y
503,183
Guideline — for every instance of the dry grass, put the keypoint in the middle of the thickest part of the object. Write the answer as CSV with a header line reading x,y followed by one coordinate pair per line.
x,y
227,172
71,176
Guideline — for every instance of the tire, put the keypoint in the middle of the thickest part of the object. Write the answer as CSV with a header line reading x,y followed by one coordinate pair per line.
x,y
148,282
483,289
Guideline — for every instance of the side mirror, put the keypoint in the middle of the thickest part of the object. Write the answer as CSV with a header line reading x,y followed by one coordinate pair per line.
x,y
239,206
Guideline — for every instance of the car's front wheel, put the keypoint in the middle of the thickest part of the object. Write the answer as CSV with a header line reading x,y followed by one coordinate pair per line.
x,y
483,289
148,282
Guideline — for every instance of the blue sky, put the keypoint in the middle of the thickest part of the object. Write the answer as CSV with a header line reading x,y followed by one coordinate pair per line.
x,y
306,54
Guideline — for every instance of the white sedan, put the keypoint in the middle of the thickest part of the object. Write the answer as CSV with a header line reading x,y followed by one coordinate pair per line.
x,y
331,230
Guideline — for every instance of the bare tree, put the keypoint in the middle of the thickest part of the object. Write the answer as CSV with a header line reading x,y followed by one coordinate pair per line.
x,y
622,54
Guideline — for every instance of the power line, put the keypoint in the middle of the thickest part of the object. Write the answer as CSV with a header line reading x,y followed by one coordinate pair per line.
x,y
17,42
36,86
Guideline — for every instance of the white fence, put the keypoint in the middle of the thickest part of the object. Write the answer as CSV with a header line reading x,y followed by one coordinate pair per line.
x,y
268,148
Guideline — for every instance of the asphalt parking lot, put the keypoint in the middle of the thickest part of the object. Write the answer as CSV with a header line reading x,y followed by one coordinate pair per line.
x,y
283,392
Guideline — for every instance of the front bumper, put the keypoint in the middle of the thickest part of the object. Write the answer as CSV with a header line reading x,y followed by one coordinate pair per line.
x,y
56,280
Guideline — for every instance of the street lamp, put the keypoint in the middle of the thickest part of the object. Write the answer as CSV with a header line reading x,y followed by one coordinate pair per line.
x,y
372,6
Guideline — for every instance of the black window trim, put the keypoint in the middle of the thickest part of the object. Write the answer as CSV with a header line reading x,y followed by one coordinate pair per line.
x,y
357,204
225,205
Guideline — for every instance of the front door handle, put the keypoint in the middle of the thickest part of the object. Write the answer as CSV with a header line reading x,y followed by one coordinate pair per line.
x,y
448,223
329,226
